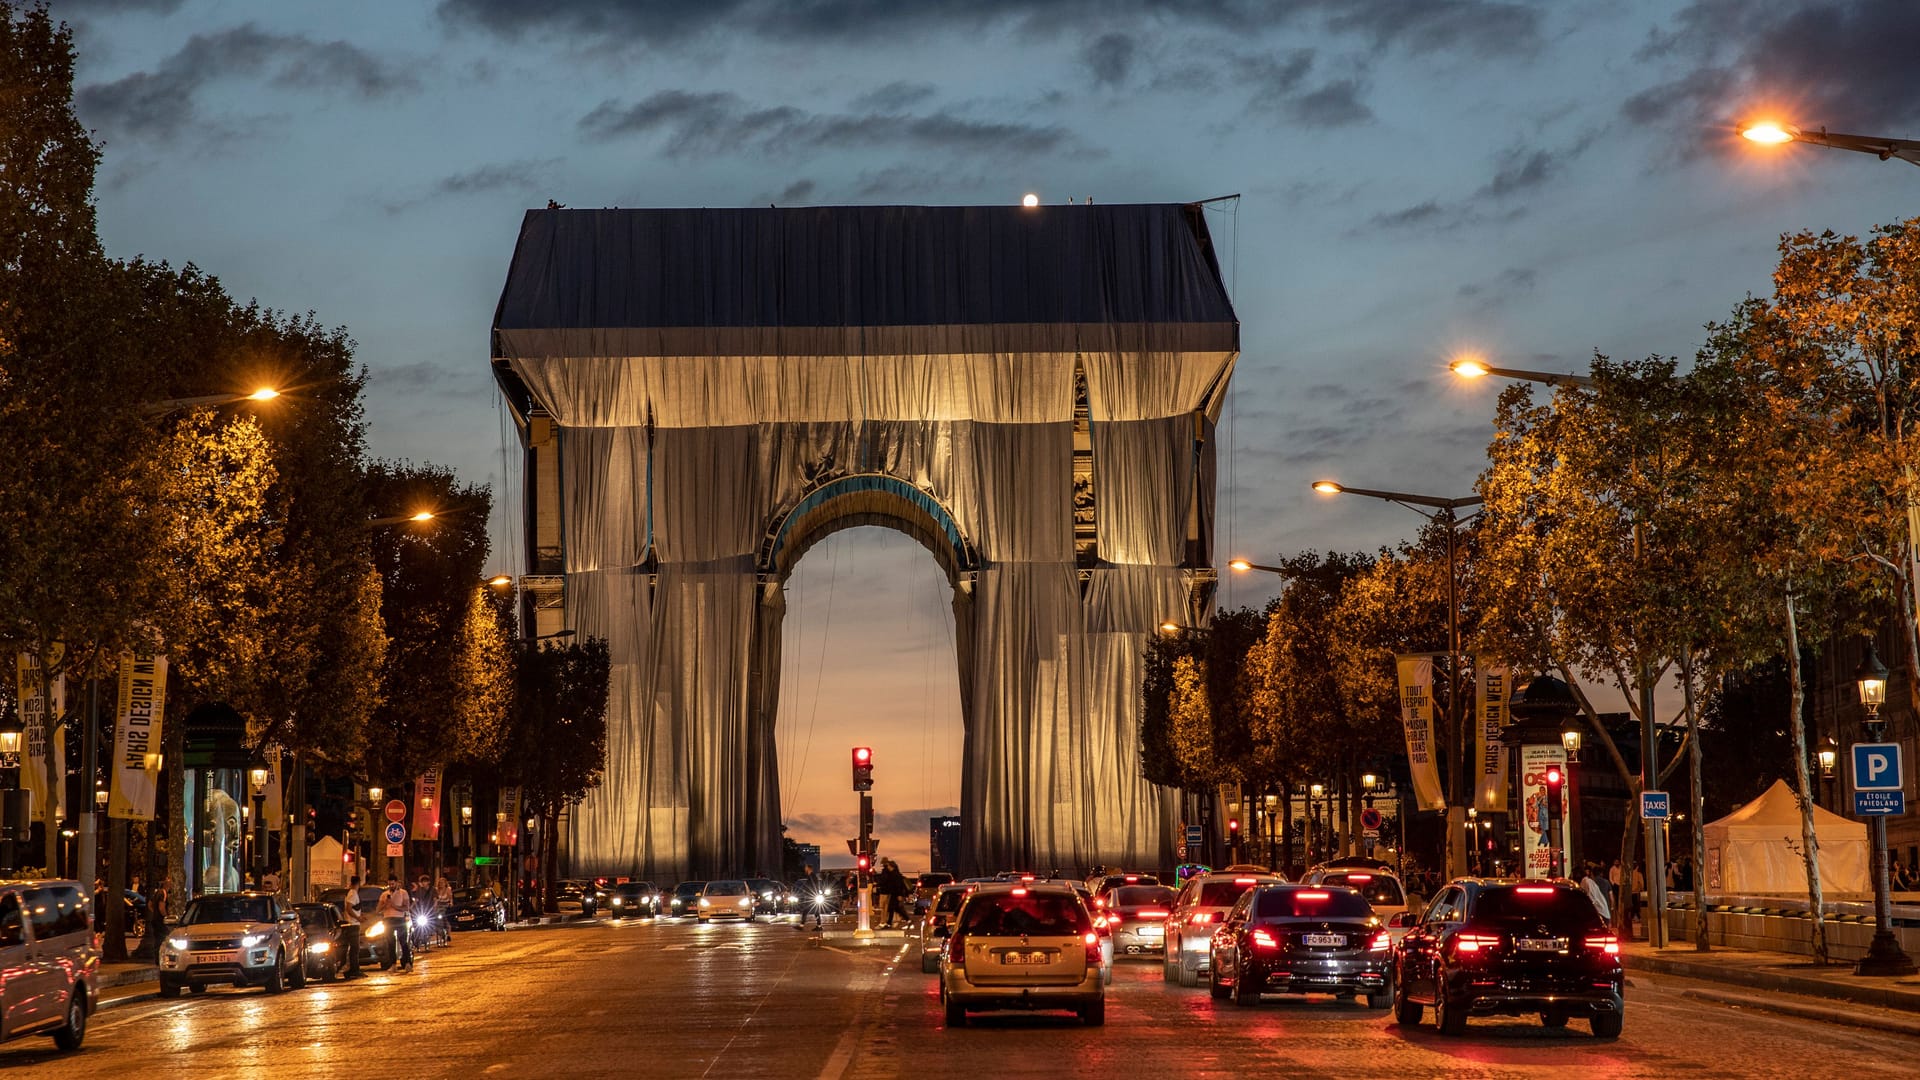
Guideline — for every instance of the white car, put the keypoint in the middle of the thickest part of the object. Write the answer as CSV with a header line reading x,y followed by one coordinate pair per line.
x,y
1381,886
238,939
725,900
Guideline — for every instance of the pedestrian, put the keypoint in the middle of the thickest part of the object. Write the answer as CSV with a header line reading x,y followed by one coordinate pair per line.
x,y
396,910
271,883
893,891
350,927
1596,892
809,887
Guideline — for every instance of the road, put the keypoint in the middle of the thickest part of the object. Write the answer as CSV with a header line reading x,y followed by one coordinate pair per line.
x,y
771,1001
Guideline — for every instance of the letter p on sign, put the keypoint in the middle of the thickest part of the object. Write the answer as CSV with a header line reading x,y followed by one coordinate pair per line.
x,y
1876,767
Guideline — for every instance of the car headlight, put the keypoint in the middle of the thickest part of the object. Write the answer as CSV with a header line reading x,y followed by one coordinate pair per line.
x,y
617,901
376,929
746,901
791,898
320,947
251,940
177,944
703,902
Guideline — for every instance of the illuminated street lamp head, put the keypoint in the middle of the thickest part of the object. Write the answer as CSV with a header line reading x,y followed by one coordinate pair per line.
x,y
1030,200
500,581
1368,781
258,775
424,515
1169,627
1769,133
1240,564
1327,487
1871,678
265,393
1469,367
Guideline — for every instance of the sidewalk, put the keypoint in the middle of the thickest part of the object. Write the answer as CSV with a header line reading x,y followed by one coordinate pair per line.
x,y
1788,984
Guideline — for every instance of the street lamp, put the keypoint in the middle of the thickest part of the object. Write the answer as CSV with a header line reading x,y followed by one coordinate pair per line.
x,y
161,408
1474,367
1884,955
258,775
401,519
1570,739
13,810
1771,133
1443,515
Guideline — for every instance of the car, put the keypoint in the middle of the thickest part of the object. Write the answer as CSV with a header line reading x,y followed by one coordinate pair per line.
x,y
576,898
1018,946
1137,916
479,908
766,895
49,964
940,913
926,886
326,940
730,898
1197,913
235,939
1381,887
1500,946
685,900
1103,885
1301,939
376,947
633,900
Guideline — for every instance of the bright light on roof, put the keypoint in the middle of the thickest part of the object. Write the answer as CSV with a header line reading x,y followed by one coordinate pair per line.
x,y
1030,200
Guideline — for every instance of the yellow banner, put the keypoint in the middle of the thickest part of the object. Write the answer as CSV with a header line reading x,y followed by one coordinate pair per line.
x,y
34,712
136,736
1416,715
1489,753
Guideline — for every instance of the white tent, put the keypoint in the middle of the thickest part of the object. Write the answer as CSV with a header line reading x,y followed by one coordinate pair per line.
x,y
1757,850
324,859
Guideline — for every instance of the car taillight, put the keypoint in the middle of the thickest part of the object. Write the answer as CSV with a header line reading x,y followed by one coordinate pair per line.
x,y
956,952
1351,878
1381,942
1606,943
1019,892
1535,890
1473,943
1264,940
1243,881
1093,948
1153,913
1200,918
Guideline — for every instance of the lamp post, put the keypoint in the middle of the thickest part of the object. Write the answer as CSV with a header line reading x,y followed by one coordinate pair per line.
x,y
1827,760
1884,955
13,813
1474,367
1770,133
257,775
1443,514
1315,841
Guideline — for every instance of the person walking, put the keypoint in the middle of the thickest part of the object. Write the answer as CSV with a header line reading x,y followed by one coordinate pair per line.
x,y
350,928
891,887
396,910
1596,892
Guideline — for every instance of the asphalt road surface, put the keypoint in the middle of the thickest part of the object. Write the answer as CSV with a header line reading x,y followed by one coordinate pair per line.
x,y
640,999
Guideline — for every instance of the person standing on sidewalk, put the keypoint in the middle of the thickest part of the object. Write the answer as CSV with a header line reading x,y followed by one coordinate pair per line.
x,y
350,928
396,910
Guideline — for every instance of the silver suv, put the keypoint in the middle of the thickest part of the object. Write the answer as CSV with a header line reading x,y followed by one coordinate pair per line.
x,y
236,939
49,967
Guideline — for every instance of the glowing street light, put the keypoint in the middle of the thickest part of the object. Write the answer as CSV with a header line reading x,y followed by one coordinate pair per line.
x,y
1030,200
167,405
1769,133
1474,367
1772,133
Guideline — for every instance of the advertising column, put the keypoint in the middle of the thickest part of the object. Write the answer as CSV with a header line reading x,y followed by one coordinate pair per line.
x,y
1535,759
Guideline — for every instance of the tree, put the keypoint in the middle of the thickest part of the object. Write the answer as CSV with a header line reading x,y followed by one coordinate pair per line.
x,y
558,744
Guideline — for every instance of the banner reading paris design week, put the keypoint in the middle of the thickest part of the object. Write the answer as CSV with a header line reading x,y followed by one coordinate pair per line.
x,y
426,806
136,736
1416,716
33,710
509,833
1489,753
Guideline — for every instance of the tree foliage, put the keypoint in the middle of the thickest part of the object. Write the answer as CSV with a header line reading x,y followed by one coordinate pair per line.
x,y
558,744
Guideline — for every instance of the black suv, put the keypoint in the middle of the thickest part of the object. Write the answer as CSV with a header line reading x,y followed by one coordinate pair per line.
x,y
1502,947
1300,939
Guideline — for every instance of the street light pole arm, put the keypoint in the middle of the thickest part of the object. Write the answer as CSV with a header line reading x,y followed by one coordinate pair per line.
x,y
1413,500
1907,150
161,408
1550,378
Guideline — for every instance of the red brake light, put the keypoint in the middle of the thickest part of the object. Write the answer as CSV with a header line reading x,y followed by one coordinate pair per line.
x,y
1314,894
1131,878
1200,918
1026,877
1359,877
956,952
1534,890
1093,949
1381,942
1264,940
1019,892
1243,881
1474,942
1606,943
1153,913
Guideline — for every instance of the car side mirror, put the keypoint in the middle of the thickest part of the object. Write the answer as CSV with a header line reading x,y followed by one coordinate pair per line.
x,y
1400,919
290,916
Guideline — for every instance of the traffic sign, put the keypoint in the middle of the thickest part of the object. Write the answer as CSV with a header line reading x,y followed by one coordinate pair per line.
x,y
396,850
1877,767
486,860
1654,805
396,810
1195,837
396,833
1370,820
1879,803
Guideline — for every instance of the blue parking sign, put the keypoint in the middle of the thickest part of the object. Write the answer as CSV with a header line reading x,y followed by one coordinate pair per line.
x,y
1877,767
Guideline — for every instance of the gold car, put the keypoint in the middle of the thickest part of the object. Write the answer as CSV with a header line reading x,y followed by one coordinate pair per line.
x,y
1022,946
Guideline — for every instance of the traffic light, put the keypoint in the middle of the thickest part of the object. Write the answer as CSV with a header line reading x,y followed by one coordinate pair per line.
x,y
1556,780
863,768
863,862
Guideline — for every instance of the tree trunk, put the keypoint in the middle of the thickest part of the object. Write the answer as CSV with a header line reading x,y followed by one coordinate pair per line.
x,y
50,726
1810,851
1624,900
114,948
1286,827
1697,808
179,815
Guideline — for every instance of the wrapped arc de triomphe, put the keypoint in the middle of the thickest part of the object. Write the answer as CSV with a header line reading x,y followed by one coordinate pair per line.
x,y
1028,392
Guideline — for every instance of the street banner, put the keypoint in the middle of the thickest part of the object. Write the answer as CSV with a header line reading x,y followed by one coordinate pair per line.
x,y
33,711
1489,753
275,806
426,806
1416,715
509,825
1534,761
136,736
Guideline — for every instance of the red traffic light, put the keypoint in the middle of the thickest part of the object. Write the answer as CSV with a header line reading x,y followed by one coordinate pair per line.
x,y
863,863
1553,776
863,768
1233,824
862,754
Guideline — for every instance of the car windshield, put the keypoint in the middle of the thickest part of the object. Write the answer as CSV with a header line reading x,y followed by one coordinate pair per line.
x,y
1288,903
689,888
631,888
468,896
314,916
224,909
1378,889
1029,915
727,888
934,880
949,900
1558,907
1222,893
1142,896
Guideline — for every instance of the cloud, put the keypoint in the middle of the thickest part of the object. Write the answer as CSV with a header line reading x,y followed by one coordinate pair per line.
x,y
1337,104
796,192
1517,172
893,97
526,174
1508,284
163,102
1847,66
1108,58
425,377
716,123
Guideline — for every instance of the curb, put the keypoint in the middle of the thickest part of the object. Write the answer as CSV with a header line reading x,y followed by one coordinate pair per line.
x,y
1890,1024
1899,999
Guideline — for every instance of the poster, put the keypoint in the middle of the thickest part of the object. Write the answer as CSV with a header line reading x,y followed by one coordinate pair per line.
x,y
426,806
509,831
1489,753
33,711
136,736
1534,762
1416,714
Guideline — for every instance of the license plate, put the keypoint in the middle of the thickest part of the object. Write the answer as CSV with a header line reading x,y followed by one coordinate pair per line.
x,y
1012,957
1541,944
1153,931
216,958
1326,939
